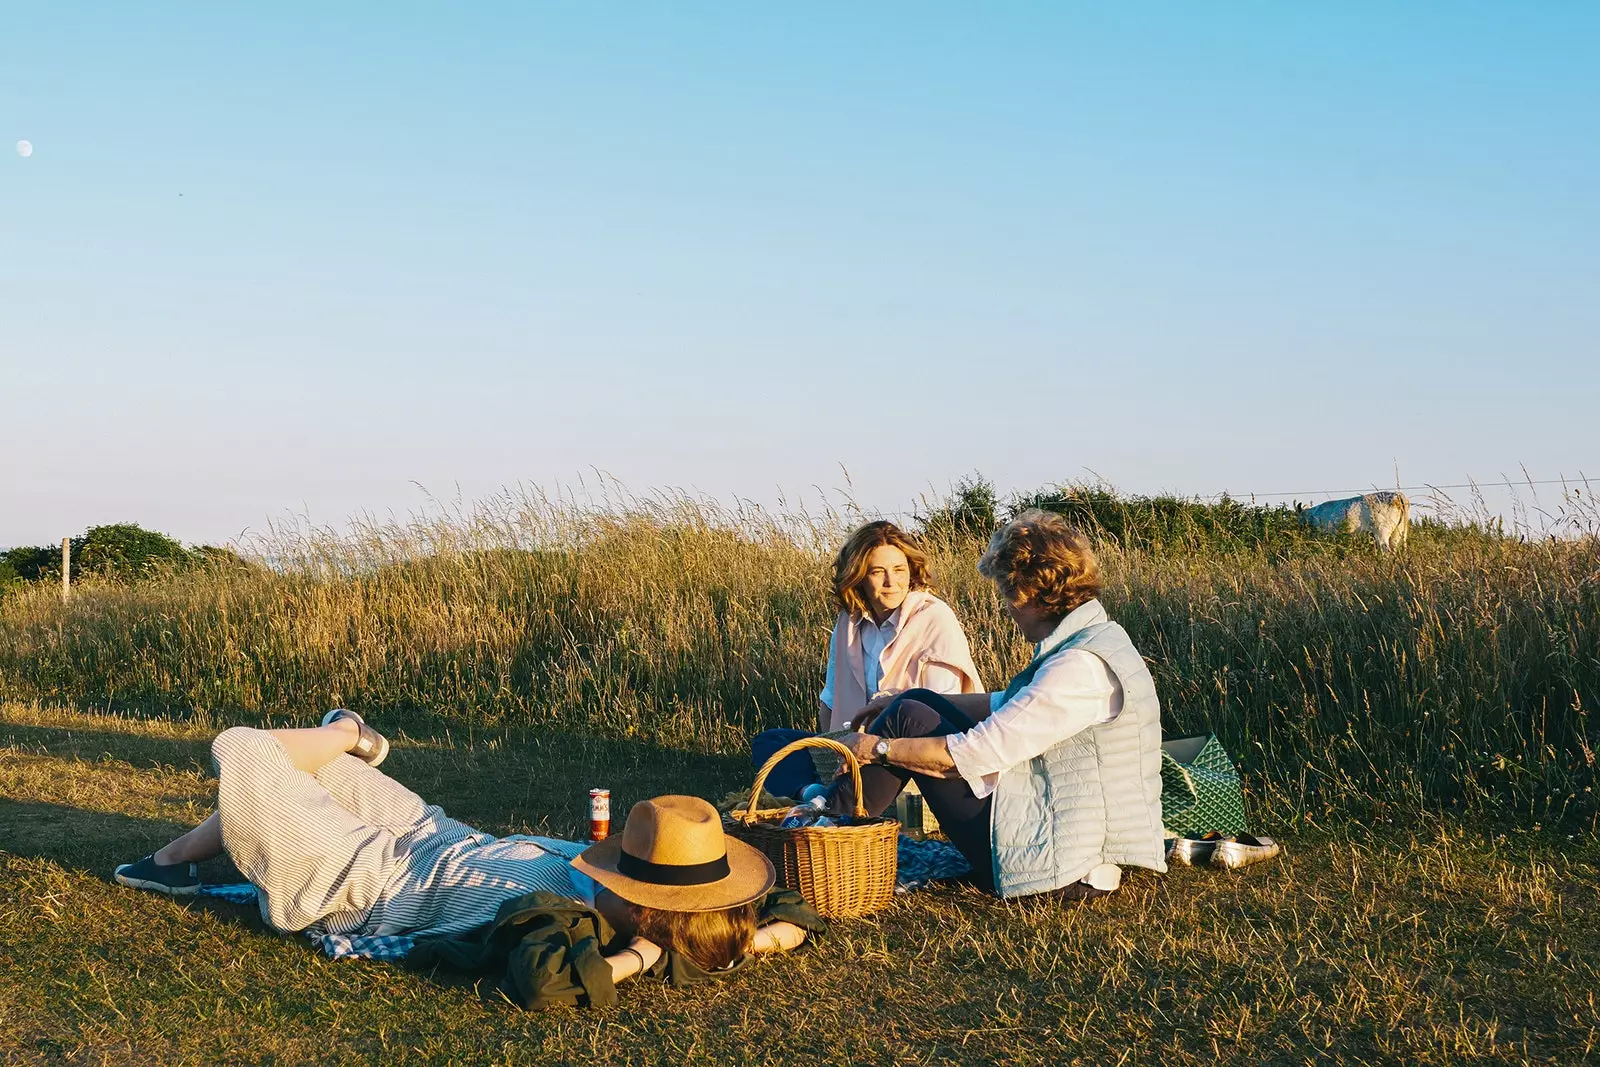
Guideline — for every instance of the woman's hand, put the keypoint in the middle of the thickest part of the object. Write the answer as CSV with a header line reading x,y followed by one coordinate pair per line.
x,y
778,937
874,708
860,746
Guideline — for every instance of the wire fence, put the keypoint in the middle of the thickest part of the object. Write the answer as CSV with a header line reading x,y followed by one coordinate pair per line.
x,y
1429,487
1487,502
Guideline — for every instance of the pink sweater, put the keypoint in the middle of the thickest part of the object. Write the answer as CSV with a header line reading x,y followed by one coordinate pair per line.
x,y
929,635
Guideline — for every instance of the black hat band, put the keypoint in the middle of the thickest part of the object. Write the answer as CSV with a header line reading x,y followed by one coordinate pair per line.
x,y
673,873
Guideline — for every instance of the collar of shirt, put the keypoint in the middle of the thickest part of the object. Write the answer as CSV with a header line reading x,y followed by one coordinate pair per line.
x,y
888,627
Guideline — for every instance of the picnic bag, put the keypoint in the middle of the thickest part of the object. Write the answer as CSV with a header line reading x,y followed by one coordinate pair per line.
x,y
1199,788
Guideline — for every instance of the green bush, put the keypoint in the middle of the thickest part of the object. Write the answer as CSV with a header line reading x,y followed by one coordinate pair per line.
x,y
971,511
118,550
1160,524
1166,524
31,564
126,550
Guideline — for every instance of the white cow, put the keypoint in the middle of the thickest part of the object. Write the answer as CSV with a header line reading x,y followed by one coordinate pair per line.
x,y
1385,515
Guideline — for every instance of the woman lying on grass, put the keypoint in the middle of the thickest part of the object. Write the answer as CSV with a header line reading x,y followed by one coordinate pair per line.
x,y
335,846
1055,784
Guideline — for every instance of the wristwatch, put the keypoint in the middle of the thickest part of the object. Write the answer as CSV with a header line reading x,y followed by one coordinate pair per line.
x,y
880,752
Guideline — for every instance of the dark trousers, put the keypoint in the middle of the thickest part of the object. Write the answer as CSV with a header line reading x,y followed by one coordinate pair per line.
x,y
794,772
963,817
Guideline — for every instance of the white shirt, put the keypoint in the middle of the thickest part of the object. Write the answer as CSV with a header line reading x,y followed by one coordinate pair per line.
x,y
1072,692
875,637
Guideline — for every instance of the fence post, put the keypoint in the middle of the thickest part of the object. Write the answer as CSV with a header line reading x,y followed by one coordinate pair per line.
x,y
66,569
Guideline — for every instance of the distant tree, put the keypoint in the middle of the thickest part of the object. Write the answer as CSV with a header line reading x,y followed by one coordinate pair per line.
x,y
30,564
971,510
126,550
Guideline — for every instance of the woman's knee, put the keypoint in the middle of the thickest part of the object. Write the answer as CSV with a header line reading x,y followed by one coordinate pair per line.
x,y
908,717
235,744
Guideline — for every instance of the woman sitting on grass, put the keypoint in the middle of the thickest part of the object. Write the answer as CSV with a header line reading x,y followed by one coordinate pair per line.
x,y
892,634
1055,784
335,846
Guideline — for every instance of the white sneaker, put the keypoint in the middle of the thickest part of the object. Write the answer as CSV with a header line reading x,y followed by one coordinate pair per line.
x,y
1242,850
1192,851
371,747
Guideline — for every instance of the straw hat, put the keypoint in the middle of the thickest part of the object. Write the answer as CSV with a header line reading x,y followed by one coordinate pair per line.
x,y
673,855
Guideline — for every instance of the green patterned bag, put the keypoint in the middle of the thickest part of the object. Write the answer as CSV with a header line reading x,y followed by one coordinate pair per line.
x,y
1199,788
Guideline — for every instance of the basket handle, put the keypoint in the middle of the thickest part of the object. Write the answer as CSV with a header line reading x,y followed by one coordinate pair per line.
x,y
793,747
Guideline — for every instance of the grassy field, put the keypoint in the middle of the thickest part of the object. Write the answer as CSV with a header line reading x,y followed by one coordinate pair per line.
x,y
1430,944
1417,728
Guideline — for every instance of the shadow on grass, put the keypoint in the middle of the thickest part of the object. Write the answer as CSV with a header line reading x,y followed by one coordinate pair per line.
x,y
537,782
138,749
95,842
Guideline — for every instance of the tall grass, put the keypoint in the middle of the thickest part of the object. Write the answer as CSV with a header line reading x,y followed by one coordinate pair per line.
x,y
1459,675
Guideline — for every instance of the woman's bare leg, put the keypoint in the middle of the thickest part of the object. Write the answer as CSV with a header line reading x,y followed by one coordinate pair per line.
x,y
310,750
202,843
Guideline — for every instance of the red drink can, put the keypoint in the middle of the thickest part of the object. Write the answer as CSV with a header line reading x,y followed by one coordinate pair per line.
x,y
599,814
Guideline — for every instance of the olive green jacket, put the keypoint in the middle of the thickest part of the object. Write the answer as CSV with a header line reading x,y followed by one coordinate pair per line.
x,y
552,950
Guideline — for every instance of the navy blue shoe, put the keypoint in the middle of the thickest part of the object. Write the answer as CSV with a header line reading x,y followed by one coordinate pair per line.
x,y
173,879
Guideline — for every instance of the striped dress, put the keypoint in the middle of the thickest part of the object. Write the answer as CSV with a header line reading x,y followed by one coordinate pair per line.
x,y
348,850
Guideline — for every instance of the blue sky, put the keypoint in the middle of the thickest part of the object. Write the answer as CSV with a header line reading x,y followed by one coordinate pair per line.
x,y
290,259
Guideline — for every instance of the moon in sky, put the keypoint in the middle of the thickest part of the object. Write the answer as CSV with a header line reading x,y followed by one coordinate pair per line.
x,y
24,149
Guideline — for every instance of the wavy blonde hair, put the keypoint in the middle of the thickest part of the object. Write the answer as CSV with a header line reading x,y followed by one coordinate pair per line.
x,y
1039,558
850,569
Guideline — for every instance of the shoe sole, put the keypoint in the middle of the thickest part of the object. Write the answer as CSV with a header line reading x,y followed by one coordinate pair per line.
x,y
156,887
1233,859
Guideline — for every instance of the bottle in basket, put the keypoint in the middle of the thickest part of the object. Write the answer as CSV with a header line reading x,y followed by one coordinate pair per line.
x,y
599,814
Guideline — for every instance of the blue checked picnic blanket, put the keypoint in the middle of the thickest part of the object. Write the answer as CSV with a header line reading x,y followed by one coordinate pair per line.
x,y
336,946
920,862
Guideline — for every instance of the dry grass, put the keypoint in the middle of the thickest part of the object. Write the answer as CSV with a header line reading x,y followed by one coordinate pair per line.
x,y
1455,678
1437,944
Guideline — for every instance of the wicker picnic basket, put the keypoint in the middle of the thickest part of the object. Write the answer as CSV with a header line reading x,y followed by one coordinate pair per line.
x,y
842,871
826,759
827,763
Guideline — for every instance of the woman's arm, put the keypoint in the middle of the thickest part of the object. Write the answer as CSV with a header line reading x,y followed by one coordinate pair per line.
x,y
1072,692
778,937
923,755
640,955
824,713
941,678
825,700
